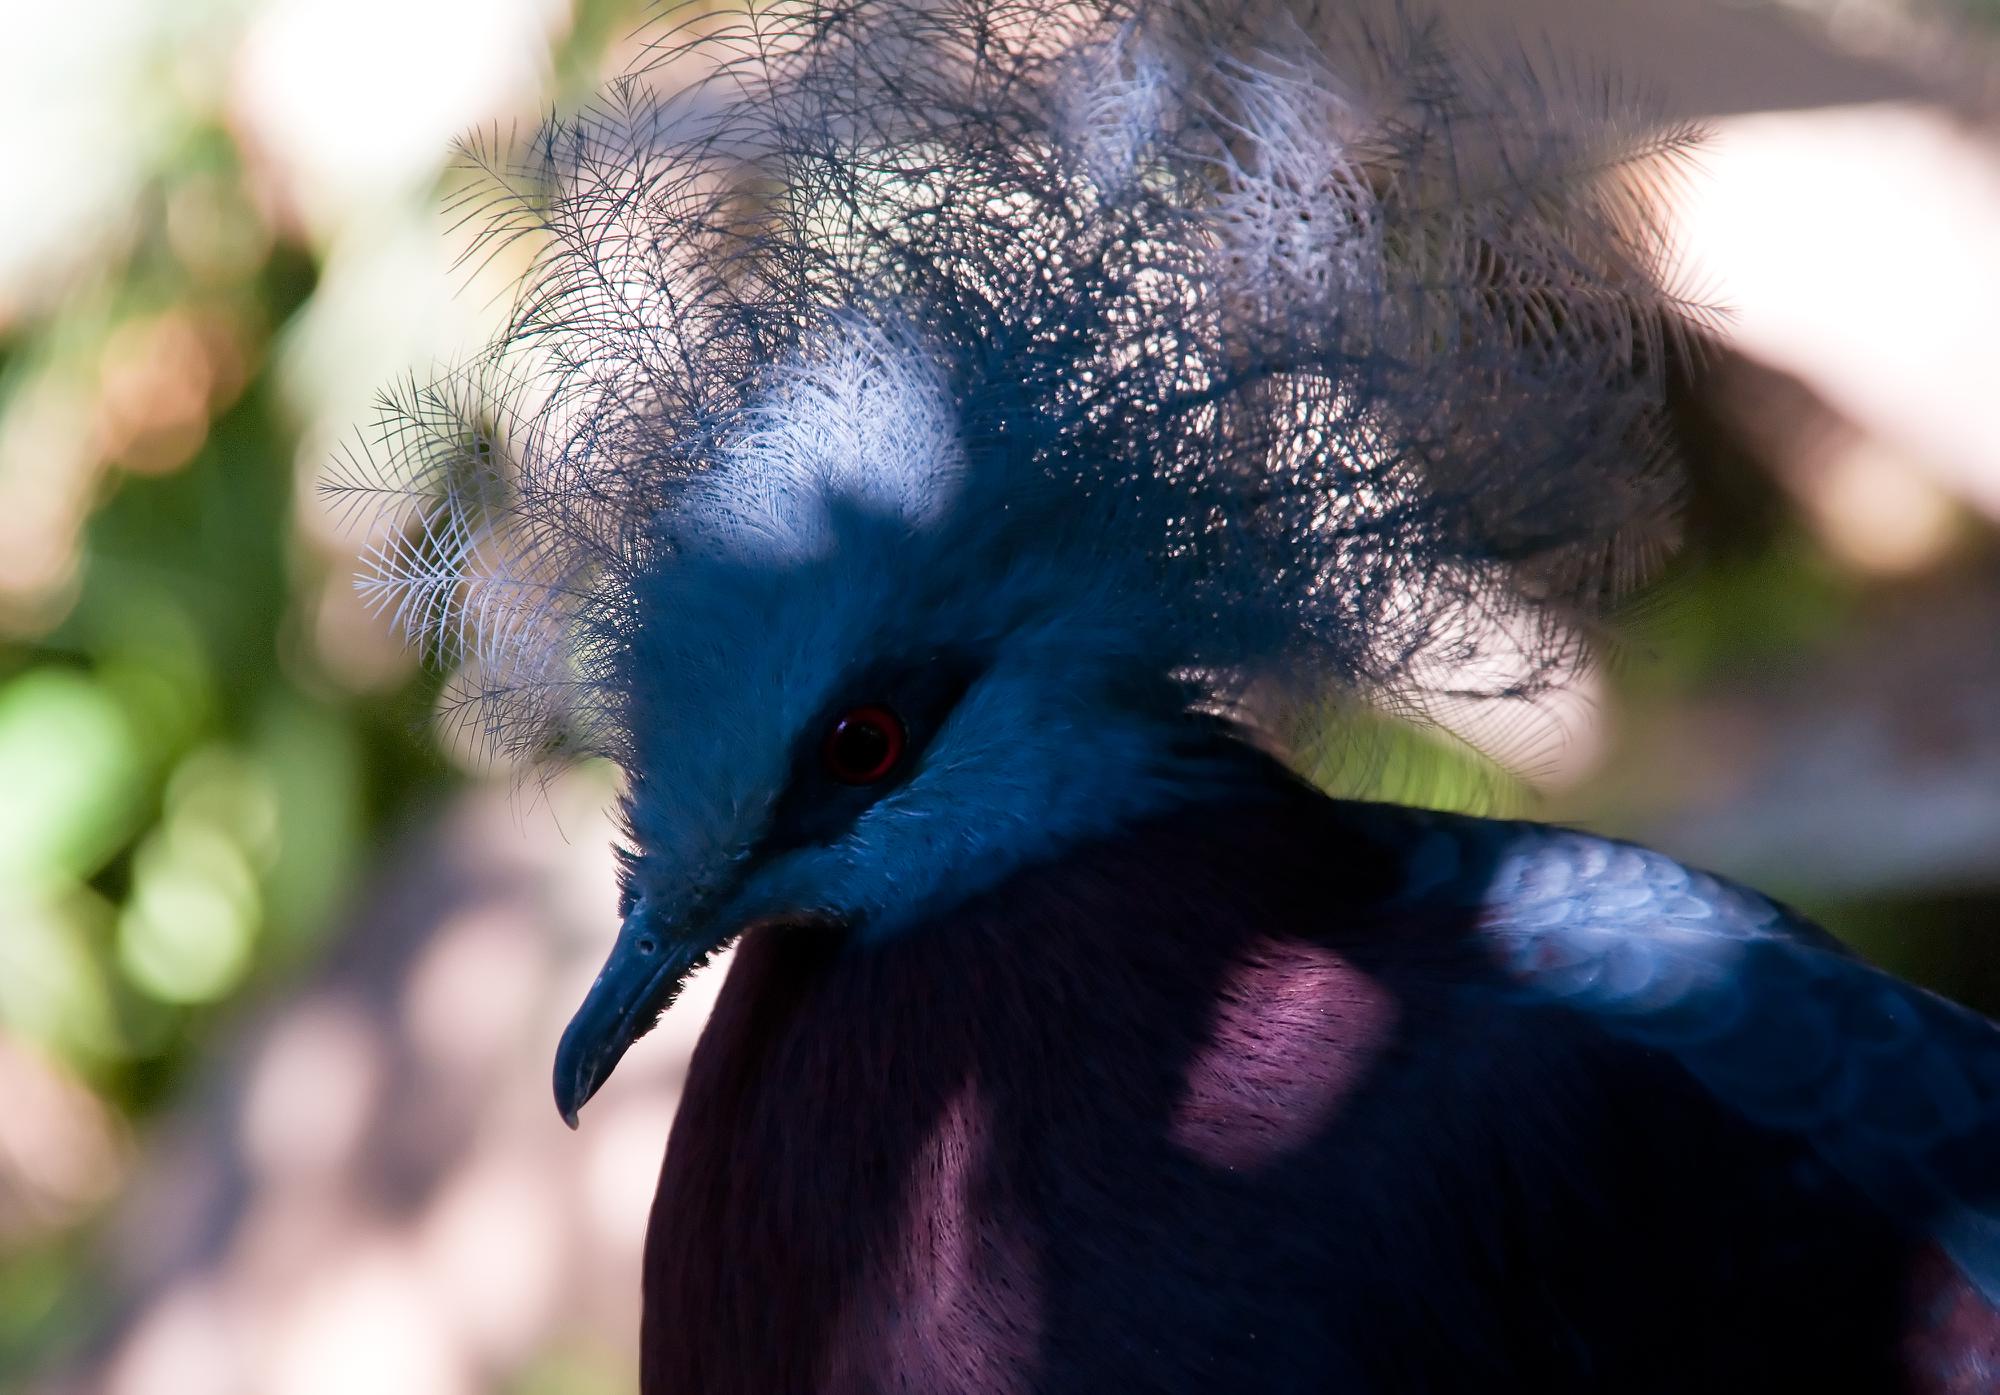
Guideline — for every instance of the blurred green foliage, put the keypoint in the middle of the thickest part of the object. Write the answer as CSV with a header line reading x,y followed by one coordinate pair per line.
x,y
180,805
189,790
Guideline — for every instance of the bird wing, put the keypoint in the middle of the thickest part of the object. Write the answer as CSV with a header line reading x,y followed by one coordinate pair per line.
x,y
1896,1088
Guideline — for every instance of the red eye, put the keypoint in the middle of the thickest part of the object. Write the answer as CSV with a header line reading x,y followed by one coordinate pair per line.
x,y
863,745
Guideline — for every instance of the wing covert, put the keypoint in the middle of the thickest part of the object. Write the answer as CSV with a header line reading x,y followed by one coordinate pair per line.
x,y
1896,1088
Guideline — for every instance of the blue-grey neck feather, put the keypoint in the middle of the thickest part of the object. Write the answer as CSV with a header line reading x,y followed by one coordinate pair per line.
x,y
1334,362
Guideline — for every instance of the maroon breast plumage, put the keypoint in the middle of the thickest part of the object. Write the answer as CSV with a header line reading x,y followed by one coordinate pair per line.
x,y
1216,1105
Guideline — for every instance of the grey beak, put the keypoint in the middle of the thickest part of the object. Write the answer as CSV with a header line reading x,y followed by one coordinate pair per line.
x,y
638,982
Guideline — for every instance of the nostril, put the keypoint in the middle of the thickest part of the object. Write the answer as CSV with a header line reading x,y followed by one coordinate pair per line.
x,y
648,945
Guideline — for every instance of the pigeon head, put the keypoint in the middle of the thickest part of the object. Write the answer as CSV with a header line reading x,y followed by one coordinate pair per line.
x,y
926,432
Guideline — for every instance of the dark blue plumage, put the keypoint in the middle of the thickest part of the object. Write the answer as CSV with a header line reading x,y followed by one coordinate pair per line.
x,y
935,452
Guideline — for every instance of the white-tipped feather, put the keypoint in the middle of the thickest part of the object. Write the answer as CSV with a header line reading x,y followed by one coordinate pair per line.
x,y
860,423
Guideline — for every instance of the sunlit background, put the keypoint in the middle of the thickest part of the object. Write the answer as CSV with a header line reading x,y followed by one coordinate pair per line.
x,y
280,978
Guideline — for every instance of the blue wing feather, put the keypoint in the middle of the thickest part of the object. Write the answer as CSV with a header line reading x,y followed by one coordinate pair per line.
x,y
1896,1088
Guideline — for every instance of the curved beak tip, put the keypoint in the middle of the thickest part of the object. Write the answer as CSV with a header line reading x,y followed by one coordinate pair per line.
x,y
638,982
579,1071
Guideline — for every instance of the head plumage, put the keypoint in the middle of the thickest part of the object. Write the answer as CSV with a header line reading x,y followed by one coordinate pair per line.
x,y
1329,358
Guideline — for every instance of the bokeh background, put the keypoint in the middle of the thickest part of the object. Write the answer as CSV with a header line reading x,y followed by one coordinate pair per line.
x,y
280,973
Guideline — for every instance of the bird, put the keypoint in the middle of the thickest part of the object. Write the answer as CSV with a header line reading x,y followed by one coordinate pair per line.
x,y
959,459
